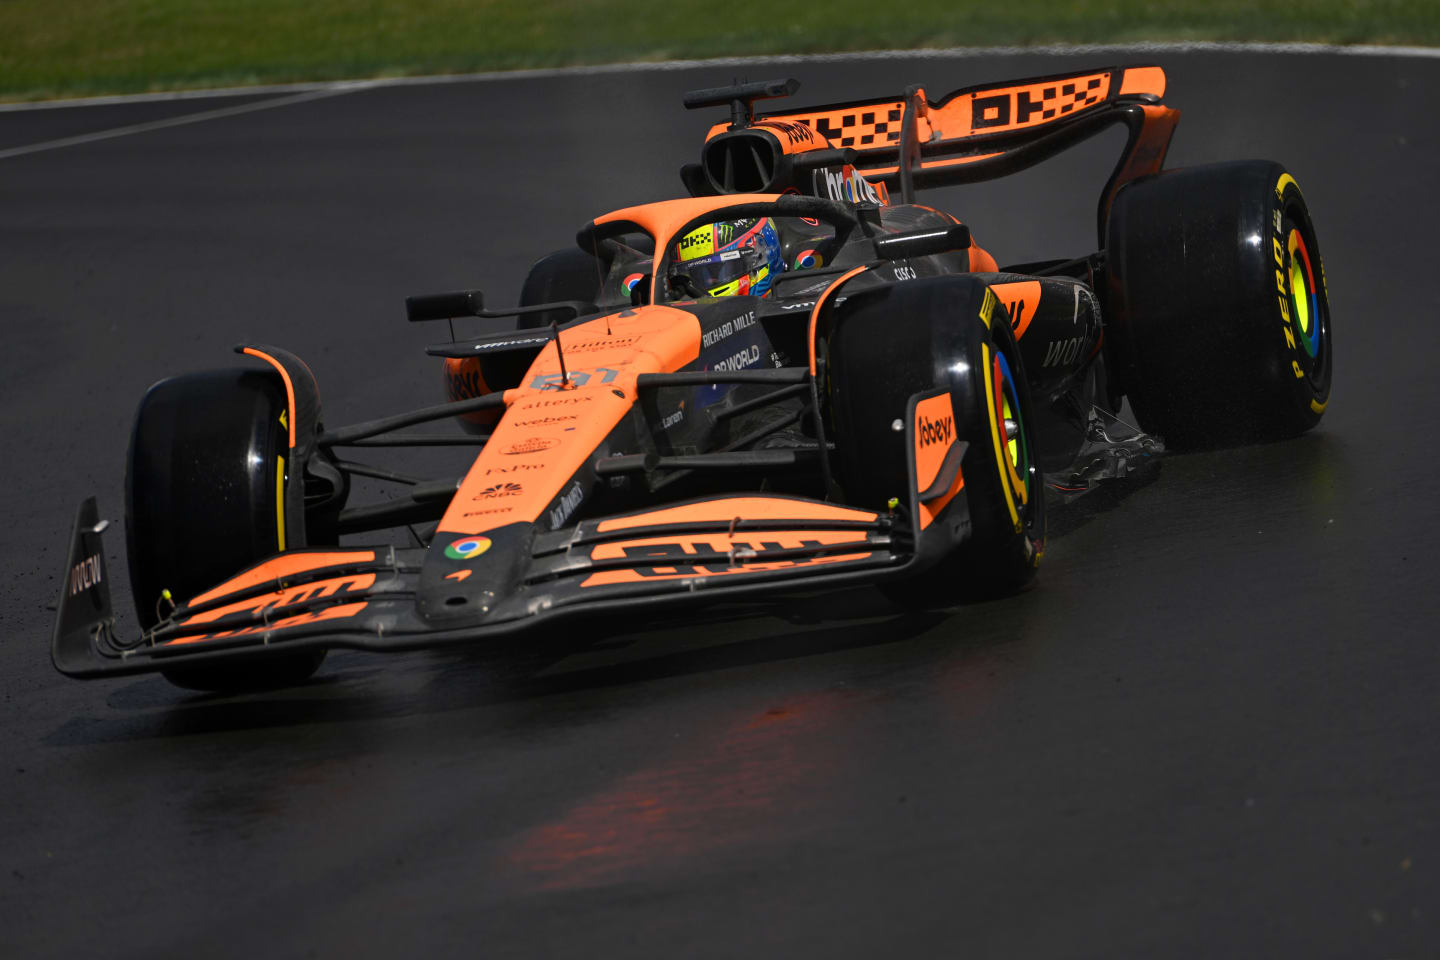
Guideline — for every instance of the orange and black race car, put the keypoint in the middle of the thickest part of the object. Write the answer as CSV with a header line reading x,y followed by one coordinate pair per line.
x,y
797,377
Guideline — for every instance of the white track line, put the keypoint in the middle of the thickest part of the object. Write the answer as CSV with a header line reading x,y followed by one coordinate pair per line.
x,y
1199,46
258,90
330,90
301,92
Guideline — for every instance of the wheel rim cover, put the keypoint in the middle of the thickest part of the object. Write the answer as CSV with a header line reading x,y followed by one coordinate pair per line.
x,y
1017,460
1302,294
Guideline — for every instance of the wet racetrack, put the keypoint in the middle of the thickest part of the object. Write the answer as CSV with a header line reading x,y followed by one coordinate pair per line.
x,y
1210,730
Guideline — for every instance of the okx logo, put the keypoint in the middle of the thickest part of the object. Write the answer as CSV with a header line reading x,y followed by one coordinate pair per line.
x,y
936,431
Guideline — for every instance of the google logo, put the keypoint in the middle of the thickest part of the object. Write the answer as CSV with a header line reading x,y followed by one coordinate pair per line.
x,y
467,549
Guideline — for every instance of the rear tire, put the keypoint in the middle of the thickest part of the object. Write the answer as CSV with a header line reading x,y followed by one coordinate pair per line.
x,y
202,502
1219,317
920,336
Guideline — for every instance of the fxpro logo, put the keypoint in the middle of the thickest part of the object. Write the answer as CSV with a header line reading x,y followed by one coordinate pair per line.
x,y
936,431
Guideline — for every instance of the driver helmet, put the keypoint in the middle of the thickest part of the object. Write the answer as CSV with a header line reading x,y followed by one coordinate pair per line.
x,y
731,258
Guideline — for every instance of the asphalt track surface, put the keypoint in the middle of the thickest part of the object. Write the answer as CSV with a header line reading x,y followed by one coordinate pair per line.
x,y
1210,730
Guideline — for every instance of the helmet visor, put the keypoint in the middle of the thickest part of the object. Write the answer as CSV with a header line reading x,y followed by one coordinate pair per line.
x,y
718,270
743,265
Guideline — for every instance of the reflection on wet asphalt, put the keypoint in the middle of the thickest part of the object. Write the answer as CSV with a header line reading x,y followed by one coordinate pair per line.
x,y
1208,730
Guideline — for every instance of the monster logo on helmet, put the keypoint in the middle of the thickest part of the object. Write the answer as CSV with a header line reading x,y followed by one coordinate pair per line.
x,y
731,258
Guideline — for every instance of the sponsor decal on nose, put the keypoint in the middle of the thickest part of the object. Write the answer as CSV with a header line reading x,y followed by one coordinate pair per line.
x,y
468,548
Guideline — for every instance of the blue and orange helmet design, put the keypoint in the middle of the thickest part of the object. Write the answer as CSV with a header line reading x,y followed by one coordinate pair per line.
x,y
731,258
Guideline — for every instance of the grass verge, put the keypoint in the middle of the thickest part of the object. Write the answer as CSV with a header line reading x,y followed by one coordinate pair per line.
x,y
68,48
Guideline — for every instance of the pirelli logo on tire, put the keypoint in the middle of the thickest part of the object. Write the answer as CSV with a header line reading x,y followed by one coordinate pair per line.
x,y
987,307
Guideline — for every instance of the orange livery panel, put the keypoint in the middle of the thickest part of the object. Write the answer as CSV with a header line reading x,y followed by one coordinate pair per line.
x,y
721,554
934,437
557,418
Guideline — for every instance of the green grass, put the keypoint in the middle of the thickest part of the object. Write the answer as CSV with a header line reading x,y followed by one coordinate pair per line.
x,y
66,48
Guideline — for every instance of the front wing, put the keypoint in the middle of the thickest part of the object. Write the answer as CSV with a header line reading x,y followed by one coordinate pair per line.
x,y
388,598
366,597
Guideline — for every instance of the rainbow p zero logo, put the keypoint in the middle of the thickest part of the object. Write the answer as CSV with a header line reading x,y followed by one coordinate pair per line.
x,y
467,549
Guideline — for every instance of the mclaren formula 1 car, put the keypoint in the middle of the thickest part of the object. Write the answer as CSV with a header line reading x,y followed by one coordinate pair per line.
x,y
795,378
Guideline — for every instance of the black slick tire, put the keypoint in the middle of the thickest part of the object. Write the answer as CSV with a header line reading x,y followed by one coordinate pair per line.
x,y
887,346
1219,318
202,502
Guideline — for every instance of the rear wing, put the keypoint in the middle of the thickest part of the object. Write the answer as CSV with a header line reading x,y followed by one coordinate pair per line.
x,y
910,142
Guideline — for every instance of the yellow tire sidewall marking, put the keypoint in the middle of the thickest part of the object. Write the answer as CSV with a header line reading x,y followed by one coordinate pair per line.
x,y
996,429
280,503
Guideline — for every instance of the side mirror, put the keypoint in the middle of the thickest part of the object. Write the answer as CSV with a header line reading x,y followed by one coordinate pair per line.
x,y
443,306
922,243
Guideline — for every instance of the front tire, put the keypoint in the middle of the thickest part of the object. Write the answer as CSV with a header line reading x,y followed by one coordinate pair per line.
x,y
1219,315
204,499
927,335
